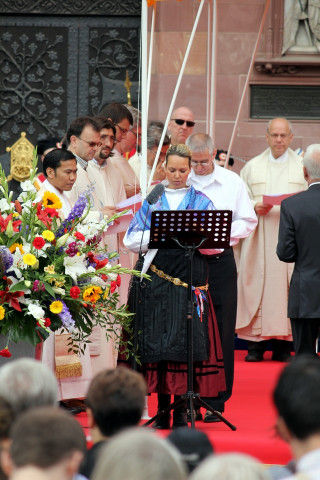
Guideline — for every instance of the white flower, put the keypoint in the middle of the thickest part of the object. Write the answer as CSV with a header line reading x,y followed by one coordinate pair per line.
x,y
59,291
75,266
27,186
36,311
112,276
4,205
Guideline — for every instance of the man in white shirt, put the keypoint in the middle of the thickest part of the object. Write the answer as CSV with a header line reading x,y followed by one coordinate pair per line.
x,y
263,281
60,170
297,400
227,192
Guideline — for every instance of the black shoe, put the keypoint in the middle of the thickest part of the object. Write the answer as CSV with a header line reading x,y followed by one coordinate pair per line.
x,y
281,357
163,422
197,415
210,417
180,418
254,357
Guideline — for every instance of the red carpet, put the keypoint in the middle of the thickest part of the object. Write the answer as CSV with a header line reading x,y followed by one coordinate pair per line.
x,y
250,409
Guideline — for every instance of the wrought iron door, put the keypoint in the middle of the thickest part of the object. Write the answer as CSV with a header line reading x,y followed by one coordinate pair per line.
x,y
57,63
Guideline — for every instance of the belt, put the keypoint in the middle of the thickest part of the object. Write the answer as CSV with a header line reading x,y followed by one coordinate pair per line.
x,y
199,295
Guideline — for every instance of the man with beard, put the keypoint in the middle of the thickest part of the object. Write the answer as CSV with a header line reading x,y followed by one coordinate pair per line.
x,y
110,190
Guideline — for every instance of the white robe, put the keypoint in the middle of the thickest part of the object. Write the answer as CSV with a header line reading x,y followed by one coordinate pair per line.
x,y
110,191
72,387
263,280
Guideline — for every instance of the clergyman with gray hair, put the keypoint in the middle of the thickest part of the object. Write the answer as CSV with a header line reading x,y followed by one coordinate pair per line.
x,y
298,242
228,192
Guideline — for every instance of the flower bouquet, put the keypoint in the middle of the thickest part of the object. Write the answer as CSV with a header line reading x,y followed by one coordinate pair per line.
x,y
53,273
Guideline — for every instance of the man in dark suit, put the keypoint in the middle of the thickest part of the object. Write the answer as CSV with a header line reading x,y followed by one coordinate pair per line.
x,y
299,234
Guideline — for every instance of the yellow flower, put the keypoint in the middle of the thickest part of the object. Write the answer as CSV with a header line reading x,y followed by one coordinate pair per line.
x,y
56,307
51,200
48,235
2,312
92,294
59,282
29,259
14,247
106,293
49,269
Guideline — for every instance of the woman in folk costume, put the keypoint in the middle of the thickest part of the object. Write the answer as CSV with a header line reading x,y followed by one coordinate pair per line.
x,y
161,314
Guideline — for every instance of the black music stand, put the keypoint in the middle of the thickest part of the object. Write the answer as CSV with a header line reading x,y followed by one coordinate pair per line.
x,y
190,230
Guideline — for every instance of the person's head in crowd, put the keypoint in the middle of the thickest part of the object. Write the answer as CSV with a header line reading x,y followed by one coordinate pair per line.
x,y
46,145
203,153
220,159
297,400
107,139
193,445
26,383
311,163
229,466
47,438
178,166
139,455
154,134
181,125
120,116
6,421
133,139
115,401
60,169
279,136
83,137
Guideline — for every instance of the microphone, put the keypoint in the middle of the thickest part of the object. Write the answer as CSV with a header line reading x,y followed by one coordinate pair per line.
x,y
155,194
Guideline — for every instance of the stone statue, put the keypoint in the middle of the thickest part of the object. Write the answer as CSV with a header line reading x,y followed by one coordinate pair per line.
x,y
302,27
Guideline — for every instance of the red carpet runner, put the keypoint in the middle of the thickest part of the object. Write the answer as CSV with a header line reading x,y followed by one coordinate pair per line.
x,y
250,409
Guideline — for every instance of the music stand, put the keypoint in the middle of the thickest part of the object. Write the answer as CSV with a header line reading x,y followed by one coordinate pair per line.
x,y
190,230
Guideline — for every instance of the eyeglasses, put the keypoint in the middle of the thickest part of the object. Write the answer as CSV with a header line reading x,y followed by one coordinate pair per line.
x,y
281,135
179,121
104,138
91,144
203,164
124,131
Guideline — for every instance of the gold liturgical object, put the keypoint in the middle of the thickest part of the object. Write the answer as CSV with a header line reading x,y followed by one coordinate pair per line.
x,y
21,155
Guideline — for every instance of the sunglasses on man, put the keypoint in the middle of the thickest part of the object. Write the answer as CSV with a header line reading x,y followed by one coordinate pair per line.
x,y
179,121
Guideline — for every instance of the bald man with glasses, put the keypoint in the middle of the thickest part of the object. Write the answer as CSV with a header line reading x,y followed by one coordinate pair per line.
x,y
263,281
181,125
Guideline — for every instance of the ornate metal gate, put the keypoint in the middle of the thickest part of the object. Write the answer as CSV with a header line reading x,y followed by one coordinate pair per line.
x,y
61,59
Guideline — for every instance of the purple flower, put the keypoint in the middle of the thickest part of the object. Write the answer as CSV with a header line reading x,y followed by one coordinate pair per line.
x,y
76,213
6,259
66,318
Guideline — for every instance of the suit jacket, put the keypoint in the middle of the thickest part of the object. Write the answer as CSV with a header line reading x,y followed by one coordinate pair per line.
x,y
299,234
